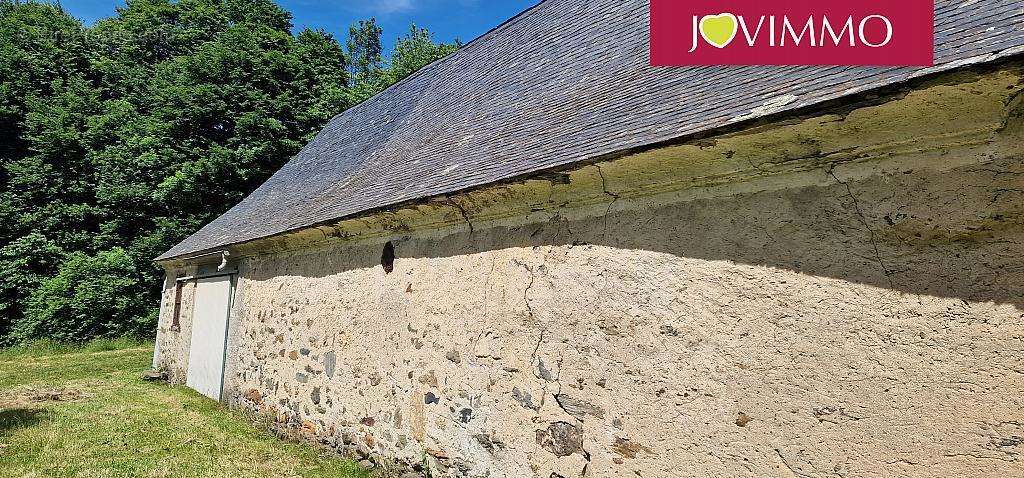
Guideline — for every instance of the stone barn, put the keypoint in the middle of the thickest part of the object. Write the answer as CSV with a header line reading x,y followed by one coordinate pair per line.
x,y
541,257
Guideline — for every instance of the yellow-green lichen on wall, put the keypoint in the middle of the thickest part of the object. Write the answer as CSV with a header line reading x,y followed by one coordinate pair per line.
x,y
963,110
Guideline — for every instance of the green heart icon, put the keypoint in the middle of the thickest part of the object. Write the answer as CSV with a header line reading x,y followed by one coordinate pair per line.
x,y
719,30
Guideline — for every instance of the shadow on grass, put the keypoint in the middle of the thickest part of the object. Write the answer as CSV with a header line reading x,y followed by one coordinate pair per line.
x,y
17,418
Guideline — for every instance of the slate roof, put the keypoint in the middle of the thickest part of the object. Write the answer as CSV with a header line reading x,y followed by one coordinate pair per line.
x,y
563,82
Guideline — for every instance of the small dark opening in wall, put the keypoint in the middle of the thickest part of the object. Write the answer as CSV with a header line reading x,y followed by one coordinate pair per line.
x,y
176,318
387,259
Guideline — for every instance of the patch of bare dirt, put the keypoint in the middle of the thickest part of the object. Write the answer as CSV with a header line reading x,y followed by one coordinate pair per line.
x,y
39,396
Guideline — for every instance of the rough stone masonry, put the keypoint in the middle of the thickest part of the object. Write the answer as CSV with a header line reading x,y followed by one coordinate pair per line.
x,y
836,294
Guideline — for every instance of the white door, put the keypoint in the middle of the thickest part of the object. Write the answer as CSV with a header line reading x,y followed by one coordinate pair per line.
x,y
209,335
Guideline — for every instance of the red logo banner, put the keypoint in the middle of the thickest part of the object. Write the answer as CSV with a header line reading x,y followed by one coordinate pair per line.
x,y
792,32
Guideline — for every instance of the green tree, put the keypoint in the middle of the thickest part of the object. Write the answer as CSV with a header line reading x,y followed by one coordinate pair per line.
x,y
364,48
123,138
323,79
24,264
416,50
413,51
90,296
40,45
50,185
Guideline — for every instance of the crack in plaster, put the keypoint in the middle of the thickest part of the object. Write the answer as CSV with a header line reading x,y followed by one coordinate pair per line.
x,y
464,214
864,221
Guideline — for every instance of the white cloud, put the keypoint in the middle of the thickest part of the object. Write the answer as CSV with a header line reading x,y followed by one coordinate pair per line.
x,y
391,6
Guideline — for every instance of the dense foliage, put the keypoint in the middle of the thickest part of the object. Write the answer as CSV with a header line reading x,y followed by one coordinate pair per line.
x,y
121,138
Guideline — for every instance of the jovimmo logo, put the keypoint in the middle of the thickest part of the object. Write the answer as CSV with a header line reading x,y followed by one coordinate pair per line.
x,y
793,32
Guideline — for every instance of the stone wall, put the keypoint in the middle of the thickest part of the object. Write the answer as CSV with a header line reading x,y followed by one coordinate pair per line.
x,y
840,294
173,344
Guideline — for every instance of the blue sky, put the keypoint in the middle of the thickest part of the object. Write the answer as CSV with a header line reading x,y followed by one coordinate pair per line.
x,y
448,19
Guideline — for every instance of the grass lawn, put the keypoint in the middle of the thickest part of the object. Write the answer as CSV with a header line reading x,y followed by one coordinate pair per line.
x,y
86,413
